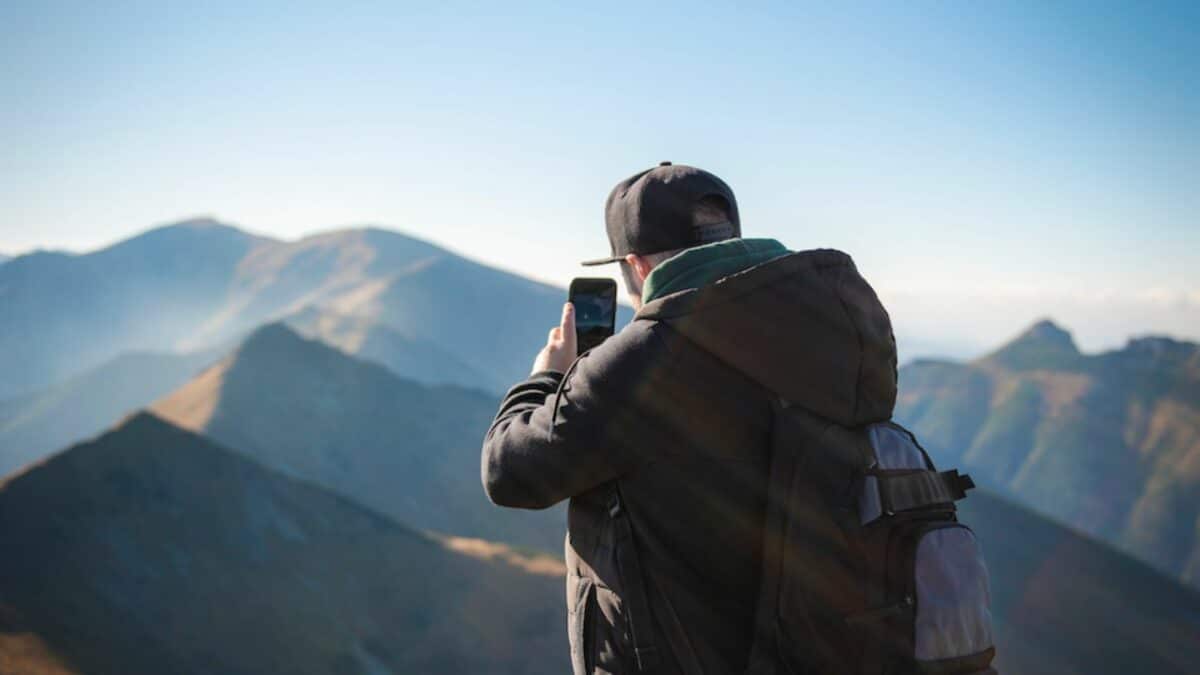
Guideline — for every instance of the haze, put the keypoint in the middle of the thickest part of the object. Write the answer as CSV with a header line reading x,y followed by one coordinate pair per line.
x,y
985,165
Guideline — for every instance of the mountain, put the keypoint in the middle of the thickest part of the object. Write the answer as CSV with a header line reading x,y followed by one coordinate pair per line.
x,y
152,550
61,314
490,321
1107,443
4,258
371,340
199,283
34,425
407,450
1064,604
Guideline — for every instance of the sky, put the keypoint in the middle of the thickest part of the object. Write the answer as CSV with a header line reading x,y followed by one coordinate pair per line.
x,y
986,164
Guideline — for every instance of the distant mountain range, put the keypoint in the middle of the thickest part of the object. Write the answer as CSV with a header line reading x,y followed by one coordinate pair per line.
x,y
1107,443
199,283
407,450
153,550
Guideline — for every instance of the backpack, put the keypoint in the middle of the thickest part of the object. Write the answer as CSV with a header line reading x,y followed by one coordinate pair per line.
x,y
866,569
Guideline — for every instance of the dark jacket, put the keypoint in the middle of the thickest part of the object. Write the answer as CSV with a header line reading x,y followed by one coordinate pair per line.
x,y
676,410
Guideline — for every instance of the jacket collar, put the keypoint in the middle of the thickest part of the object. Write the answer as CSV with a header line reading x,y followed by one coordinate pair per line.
x,y
703,265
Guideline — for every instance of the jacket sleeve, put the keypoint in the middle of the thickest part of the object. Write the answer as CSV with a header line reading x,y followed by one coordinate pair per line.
x,y
557,436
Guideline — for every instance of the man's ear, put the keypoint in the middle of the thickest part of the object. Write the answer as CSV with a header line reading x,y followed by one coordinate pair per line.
x,y
641,266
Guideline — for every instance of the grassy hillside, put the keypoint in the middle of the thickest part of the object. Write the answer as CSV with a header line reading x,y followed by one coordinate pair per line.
x,y
404,449
152,550
1107,443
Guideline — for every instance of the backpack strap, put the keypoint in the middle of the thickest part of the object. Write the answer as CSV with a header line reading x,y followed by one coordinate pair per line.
x,y
919,489
764,652
633,585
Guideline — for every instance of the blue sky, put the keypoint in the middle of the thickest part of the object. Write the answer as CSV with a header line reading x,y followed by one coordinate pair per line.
x,y
985,163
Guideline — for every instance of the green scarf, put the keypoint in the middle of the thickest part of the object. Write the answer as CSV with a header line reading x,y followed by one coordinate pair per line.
x,y
702,265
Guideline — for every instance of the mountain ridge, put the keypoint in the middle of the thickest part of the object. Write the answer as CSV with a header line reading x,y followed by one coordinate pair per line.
x,y
403,448
36,424
1107,443
152,549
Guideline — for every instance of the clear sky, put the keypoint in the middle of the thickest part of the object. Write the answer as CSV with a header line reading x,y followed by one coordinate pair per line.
x,y
986,163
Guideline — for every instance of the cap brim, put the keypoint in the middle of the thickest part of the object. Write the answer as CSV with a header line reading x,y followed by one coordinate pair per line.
x,y
603,261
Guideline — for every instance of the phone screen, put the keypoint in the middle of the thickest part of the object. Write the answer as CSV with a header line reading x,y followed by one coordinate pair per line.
x,y
595,303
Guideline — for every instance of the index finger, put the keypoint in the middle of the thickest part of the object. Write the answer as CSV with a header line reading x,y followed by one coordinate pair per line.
x,y
568,325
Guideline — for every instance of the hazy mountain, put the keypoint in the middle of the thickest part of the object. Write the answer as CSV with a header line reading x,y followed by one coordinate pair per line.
x,y
153,550
34,425
61,314
490,321
1064,604
407,450
371,340
281,279
199,283
1108,443
4,258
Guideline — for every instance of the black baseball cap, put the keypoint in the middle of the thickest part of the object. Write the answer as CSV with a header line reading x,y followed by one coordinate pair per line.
x,y
655,211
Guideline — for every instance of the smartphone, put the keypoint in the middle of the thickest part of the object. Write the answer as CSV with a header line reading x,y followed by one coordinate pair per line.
x,y
595,303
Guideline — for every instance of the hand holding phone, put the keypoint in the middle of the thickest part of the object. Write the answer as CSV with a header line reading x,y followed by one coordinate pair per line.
x,y
595,302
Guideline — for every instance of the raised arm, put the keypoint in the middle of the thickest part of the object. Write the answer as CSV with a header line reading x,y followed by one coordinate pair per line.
x,y
557,436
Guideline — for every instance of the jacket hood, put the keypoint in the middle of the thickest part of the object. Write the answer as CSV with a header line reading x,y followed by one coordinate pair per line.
x,y
805,325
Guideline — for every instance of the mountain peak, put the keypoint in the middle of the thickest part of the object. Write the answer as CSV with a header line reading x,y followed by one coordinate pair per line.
x,y
203,240
1156,344
1048,332
279,348
135,440
201,224
198,222
1045,344
144,420
274,335
1160,352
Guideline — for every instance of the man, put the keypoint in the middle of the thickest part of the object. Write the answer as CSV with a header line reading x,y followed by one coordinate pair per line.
x,y
660,436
